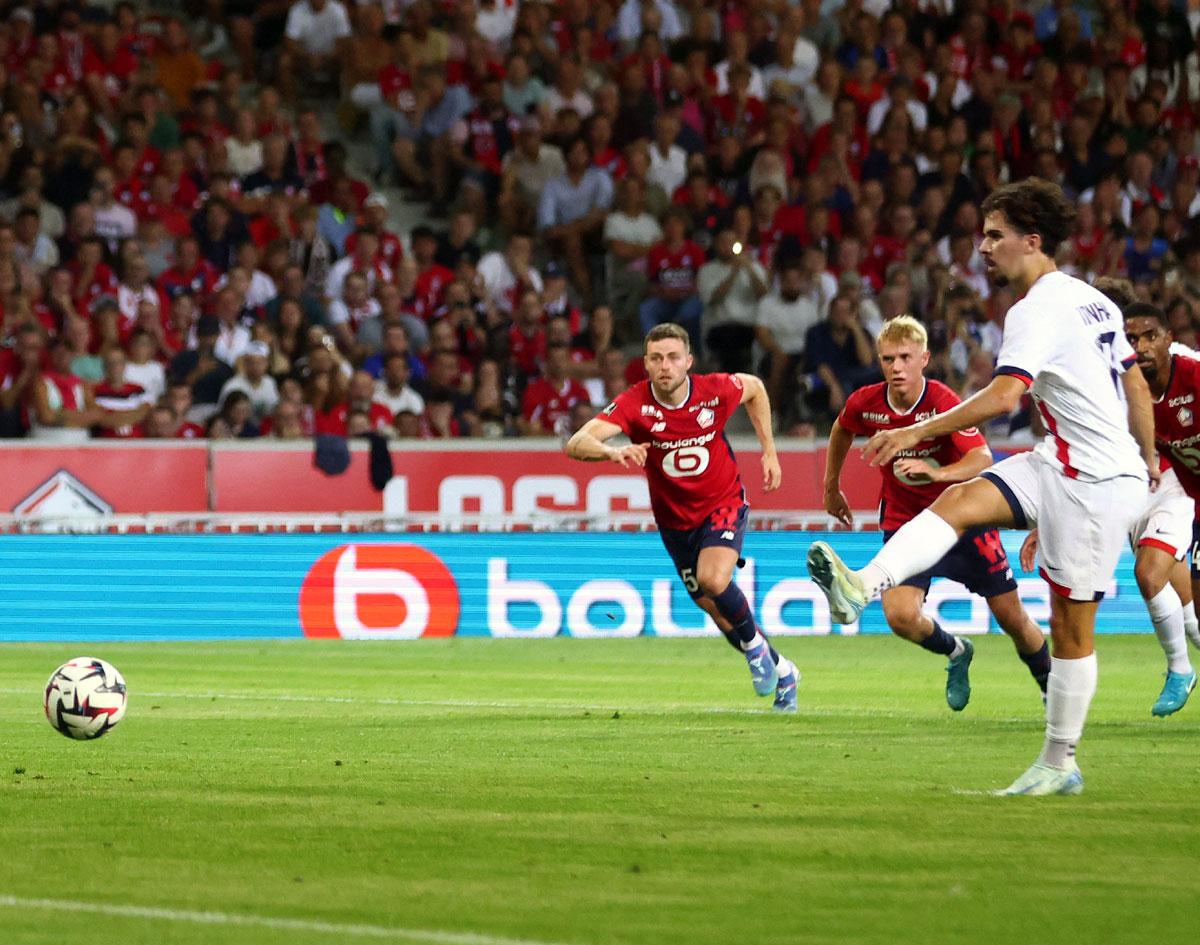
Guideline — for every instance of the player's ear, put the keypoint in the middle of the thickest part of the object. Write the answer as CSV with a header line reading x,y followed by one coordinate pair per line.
x,y
924,359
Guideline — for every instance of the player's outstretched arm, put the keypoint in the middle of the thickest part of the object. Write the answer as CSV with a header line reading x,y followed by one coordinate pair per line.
x,y
589,445
840,441
1000,397
972,463
1141,419
758,406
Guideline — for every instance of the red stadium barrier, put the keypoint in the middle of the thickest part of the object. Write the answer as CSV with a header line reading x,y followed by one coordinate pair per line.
x,y
495,479
45,481
510,478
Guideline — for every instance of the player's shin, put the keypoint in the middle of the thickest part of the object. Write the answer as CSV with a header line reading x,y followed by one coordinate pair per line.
x,y
1069,693
916,546
1039,665
731,604
1191,627
1166,613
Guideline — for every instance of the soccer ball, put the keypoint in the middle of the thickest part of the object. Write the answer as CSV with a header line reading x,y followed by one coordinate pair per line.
x,y
85,698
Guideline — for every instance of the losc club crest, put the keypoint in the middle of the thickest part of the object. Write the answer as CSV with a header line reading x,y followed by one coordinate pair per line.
x,y
1185,416
705,417
62,496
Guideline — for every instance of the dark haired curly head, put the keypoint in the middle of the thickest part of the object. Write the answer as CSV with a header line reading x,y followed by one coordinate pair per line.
x,y
1034,206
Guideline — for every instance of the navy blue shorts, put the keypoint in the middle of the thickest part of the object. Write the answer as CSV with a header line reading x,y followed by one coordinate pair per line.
x,y
725,528
978,561
1194,551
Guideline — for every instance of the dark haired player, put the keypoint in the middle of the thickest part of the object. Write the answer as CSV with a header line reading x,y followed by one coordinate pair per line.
x,y
910,483
1083,486
1174,382
675,422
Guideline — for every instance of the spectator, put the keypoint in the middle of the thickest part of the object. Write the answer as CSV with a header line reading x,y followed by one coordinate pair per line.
x,y
668,161
143,367
365,261
730,287
350,315
572,210
233,337
526,171
393,390
550,397
61,409
235,420
839,357
315,36
425,158
506,276
630,233
122,404
784,318
672,268
253,380
113,221
178,69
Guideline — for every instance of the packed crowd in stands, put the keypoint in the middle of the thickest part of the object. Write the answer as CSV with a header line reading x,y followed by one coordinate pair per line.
x,y
186,250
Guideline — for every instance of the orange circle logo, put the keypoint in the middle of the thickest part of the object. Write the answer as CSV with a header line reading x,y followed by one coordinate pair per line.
x,y
379,592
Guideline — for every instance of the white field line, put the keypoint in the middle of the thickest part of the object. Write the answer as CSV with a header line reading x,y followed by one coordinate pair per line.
x,y
336,930
665,709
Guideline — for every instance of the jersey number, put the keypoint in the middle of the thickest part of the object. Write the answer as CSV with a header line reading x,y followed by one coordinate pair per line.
x,y
686,461
920,479
1189,456
1105,343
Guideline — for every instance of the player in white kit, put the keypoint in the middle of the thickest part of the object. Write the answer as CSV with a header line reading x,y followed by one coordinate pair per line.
x,y
1162,535
1083,486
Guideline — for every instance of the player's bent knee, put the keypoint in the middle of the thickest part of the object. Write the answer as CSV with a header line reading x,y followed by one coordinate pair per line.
x,y
906,622
1151,576
712,584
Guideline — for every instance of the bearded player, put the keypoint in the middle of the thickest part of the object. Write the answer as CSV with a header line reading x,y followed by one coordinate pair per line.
x,y
911,482
675,422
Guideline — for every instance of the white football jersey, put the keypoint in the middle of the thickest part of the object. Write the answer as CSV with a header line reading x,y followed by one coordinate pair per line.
x,y
1067,341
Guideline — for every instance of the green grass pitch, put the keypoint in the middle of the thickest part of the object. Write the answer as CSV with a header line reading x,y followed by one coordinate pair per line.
x,y
571,792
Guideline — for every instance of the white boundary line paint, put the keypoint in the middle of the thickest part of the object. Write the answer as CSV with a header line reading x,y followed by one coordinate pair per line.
x,y
666,709
189,917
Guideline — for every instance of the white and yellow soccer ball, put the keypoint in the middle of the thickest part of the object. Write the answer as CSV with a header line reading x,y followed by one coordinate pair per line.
x,y
85,698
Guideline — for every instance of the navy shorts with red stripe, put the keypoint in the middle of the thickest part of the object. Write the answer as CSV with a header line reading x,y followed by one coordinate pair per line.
x,y
1194,551
977,561
725,528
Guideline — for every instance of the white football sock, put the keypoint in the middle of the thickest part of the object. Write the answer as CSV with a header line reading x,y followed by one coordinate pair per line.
x,y
1166,613
959,648
1069,692
1190,626
785,666
916,546
757,641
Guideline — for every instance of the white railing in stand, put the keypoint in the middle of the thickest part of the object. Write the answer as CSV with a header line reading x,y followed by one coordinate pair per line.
x,y
369,522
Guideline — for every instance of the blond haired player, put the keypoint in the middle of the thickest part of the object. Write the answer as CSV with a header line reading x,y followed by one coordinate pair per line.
x,y
911,482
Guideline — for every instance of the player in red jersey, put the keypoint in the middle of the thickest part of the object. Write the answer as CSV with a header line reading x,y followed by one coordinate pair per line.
x,y
675,422
1174,382
911,482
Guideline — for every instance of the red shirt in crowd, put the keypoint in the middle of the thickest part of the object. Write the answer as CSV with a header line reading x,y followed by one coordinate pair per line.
x,y
674,269
547,404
